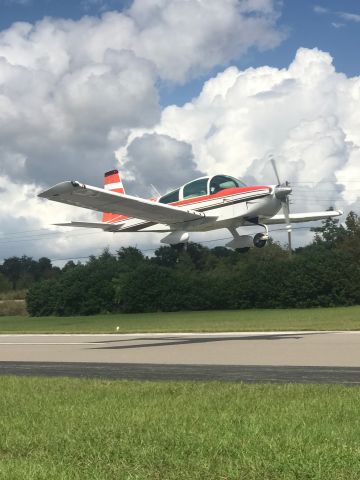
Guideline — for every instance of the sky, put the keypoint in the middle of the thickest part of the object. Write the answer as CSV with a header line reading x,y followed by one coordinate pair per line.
x,y
167,90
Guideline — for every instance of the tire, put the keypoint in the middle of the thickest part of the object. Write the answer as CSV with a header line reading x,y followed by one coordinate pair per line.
x,y
259,241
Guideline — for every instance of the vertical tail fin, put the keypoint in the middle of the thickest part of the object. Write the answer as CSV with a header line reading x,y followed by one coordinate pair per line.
x,y
112,182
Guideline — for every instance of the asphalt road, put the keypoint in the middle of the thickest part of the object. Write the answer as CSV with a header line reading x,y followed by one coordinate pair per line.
x,y
148,371
306,357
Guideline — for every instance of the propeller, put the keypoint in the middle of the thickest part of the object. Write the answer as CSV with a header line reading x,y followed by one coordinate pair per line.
x,y
282,192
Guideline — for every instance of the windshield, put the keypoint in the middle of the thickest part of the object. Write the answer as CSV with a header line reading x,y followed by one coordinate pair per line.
x,y
170,197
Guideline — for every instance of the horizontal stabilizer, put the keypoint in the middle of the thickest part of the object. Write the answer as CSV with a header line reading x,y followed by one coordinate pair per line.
x,y
303,217
103,226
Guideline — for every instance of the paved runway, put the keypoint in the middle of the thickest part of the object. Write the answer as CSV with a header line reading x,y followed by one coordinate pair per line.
x,y
330,357
147,371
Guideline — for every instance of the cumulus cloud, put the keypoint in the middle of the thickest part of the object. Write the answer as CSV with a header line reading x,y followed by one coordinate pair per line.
x,y
26,228
306,115
71,92
183,38
161,161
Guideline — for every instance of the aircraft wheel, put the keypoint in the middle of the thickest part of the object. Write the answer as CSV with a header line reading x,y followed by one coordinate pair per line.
x,y
259,240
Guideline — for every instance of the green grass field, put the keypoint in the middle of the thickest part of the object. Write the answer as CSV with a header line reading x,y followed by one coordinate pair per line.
x,y
339,318
92,429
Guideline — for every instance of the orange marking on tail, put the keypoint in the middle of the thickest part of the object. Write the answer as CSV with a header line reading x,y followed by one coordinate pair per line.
x,y
113,178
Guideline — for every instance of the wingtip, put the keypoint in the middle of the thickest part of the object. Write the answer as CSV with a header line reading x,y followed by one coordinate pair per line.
x,y
59,188
41,194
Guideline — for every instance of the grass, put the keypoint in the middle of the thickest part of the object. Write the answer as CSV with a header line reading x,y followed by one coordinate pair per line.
x,y
11,308
13,295
93,429
12,303
337,318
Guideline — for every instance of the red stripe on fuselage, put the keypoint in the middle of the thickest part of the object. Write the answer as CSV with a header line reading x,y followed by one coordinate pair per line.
x,y
228,192
223,193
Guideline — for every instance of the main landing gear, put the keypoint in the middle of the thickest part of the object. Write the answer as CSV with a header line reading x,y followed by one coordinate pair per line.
x,y
244,242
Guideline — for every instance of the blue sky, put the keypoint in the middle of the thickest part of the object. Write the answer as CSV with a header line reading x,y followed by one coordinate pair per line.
x,y
330,25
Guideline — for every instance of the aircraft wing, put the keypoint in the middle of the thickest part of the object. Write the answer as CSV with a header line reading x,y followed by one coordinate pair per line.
x,y
101,200
303,217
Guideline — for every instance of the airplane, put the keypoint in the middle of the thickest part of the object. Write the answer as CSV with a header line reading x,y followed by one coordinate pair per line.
x,y
204,204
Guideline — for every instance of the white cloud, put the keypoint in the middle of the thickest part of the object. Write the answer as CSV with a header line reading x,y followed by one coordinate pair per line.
x,y
347,16
155,159
26,227
351,17
320,9
72,91
306,115
338,24
190,37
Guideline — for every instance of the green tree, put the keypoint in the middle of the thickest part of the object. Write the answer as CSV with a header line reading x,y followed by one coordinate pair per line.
x,y
166,256
5,285
330,234
12,268
130,258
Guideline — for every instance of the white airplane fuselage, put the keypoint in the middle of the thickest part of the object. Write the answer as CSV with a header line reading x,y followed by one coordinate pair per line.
x,y
230,209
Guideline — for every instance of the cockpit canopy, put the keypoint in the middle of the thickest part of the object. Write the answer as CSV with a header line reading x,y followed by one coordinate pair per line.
x,y
202,187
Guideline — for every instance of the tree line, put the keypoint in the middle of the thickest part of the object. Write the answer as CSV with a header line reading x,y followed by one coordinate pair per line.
x,y
193,277
20,273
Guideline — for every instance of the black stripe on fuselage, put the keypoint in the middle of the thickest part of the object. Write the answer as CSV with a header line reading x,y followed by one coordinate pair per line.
x,y
141,226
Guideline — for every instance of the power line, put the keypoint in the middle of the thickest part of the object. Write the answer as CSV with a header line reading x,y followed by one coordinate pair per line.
x,y
24,231
40,237
156,248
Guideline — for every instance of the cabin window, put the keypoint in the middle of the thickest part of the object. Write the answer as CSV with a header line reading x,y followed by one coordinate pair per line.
x,y
221,182
197,188
170,197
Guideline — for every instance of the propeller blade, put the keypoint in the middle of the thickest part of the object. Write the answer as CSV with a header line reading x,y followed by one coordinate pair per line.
x,y
273,163
286,212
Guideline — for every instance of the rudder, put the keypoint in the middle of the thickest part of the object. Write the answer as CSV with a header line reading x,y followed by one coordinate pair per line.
x,y
112,182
